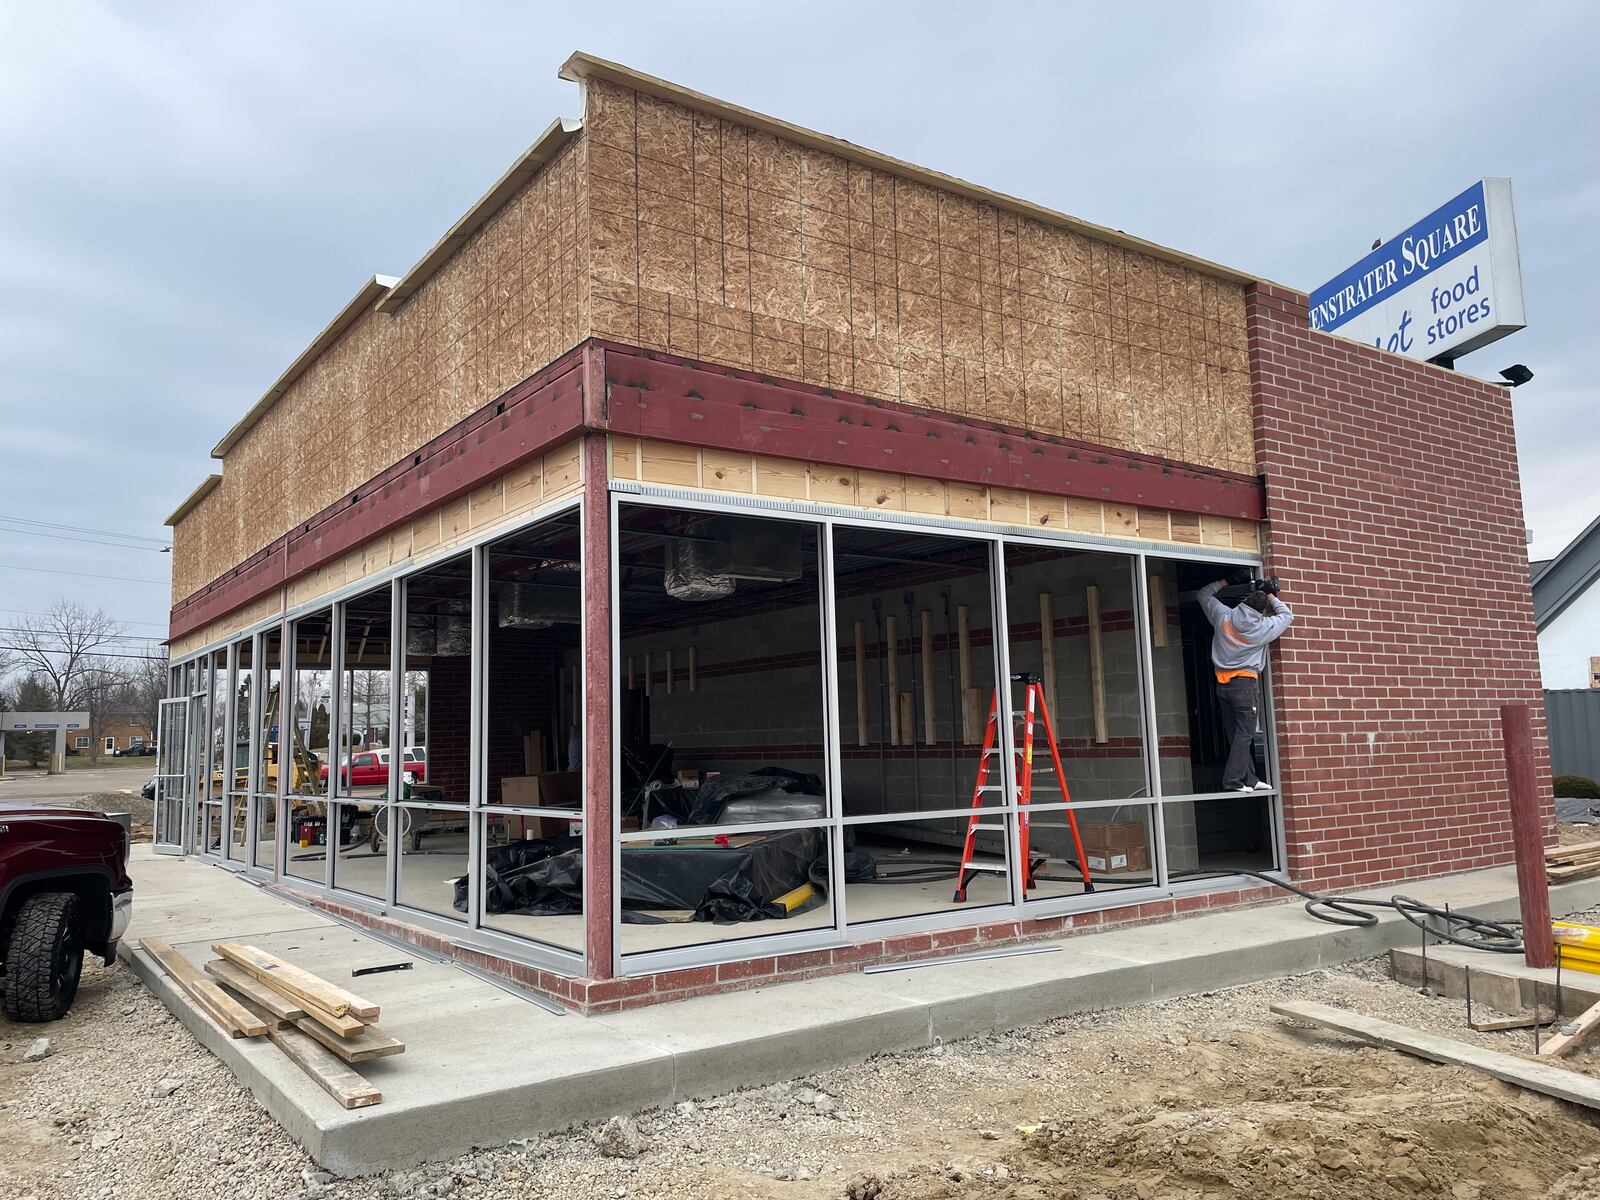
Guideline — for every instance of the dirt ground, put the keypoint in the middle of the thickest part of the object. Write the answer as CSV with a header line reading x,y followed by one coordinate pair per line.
x,y
1204,1096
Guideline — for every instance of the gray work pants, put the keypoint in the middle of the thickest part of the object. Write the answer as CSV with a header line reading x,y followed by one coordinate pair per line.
x,y
1238,699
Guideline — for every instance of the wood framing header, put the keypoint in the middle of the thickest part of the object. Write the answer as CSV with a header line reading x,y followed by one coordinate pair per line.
x,y
583,66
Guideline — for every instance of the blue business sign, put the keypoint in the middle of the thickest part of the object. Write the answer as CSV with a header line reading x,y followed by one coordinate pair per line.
x,y
1449,284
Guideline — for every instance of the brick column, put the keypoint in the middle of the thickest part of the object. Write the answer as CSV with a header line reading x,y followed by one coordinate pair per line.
x,y
597,689
1394,517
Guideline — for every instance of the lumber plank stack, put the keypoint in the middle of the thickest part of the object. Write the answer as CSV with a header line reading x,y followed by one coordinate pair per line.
x,y
320,1026
1563,864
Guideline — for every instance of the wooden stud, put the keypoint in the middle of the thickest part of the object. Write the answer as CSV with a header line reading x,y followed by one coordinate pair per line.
x,y
1097,666
1573,1032
972,713
630,672
694,669
370,1043
862,733
649,670
891,636
1047,651
669,672
1158,611
930,726
252,989
231,1016
325,1069
908,720
969,719
294,982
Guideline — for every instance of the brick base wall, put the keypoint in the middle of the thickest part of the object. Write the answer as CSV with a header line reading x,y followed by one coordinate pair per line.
x,y
589,996
1395,520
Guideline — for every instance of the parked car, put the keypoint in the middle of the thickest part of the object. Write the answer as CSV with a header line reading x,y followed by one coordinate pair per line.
x,y
64,890
137,750
367,768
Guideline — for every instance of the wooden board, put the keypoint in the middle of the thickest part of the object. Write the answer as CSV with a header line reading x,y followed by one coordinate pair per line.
x,y
327,1071
371,1042
223,1009
281,1007
862,735
1540,1077
1158,611
294,982
1580,1026
969,722
930,730
1097,665
1047,650
892,649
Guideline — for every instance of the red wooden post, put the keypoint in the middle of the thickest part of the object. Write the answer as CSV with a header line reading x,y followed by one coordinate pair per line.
x,y
1527,835
597,691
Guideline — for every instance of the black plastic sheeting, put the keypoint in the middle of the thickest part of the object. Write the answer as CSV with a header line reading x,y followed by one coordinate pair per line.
x,y
723,884
704,805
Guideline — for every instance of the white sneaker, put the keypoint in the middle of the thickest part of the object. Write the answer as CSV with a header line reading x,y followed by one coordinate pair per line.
x,y
1243,787
1263,786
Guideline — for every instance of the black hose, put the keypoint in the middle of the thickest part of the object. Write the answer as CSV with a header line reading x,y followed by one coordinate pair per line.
x,y
1481,933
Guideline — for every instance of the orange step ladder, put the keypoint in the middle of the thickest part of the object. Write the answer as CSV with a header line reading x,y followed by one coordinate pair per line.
x,y
1033,708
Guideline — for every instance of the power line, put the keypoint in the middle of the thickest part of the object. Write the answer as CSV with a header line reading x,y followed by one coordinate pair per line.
x,y
99,654
67,537
23,612
84,574
133,537
99,637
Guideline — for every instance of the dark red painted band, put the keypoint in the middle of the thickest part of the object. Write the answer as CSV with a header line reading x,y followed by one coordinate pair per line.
x,y
653,395
656,396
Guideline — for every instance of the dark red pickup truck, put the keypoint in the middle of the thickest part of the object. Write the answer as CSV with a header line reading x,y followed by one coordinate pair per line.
x,y
64,889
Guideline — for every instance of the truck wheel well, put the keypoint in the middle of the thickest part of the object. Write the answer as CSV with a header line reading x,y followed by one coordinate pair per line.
x,y
91,888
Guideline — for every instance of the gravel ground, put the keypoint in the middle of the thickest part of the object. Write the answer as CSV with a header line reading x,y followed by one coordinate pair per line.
x,y
1202,1096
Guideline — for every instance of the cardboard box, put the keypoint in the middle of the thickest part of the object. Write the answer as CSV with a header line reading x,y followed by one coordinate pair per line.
x,y
553,789
1117,862
1112,836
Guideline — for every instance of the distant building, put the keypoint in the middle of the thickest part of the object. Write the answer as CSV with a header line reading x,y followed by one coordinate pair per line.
x,y
1566,613
111,731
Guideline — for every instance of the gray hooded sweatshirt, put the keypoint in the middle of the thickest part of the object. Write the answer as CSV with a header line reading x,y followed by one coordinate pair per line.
x,y
1242,634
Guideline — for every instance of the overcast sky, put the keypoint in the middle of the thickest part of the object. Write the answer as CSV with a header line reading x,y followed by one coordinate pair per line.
x,y
189,192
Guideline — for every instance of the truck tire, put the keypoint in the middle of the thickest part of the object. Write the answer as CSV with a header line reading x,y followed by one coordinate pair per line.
x,y
45,958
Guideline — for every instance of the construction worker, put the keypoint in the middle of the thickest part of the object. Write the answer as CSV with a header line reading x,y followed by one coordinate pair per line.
x,y
1238,655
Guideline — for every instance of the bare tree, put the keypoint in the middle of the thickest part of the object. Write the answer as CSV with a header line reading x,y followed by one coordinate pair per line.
x,y
66,650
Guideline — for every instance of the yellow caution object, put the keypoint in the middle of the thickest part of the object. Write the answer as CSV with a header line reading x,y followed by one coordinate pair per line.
x,y
1577,946
790,901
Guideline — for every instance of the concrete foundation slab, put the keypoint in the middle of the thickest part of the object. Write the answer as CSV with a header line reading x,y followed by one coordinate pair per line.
x,y
482,1066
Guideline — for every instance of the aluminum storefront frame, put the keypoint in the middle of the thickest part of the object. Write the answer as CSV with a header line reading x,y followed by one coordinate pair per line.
x,y
471,931
842,932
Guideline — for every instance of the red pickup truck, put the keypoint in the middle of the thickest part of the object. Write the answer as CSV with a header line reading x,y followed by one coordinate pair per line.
x,y
64,889
366,768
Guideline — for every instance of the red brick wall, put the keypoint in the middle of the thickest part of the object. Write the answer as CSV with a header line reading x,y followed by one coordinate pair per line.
x,y
1395,520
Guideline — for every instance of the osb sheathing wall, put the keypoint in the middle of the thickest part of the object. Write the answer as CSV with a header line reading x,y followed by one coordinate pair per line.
x,y
511,300
722,243
743,474
547,480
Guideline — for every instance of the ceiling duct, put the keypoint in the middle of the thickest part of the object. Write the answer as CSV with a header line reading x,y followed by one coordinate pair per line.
x,y
730,550
694,571
536,606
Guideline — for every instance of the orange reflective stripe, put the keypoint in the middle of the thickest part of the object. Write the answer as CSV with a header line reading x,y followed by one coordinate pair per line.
x,y
1232,634
1229,676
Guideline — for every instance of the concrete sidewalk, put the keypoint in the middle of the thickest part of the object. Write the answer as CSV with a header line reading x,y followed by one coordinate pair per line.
x,y
482,1066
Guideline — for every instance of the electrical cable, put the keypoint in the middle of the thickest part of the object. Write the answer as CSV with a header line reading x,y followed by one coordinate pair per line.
x,y
1478,933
